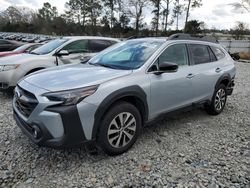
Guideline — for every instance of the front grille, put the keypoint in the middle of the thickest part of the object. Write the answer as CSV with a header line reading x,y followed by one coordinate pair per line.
x,y
25,101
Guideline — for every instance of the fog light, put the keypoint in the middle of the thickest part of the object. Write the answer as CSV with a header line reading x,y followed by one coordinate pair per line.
x,y
36,132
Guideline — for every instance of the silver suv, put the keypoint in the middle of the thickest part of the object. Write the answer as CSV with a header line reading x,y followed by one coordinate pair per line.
x,y
110,98
61,51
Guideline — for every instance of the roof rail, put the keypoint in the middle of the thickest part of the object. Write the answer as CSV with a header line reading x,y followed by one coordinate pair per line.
x,y
135,37
185,36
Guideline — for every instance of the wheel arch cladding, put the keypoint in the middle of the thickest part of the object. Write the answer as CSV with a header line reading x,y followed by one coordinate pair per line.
x,y
132,94
224,79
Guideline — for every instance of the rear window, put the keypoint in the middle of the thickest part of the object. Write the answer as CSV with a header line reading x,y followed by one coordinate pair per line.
x,y
218,52
200,53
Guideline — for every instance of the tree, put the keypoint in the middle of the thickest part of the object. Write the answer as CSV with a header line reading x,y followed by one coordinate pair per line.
x,y
136,12
95,11
156,11
111,6
239,30
165,14
194,27
243,4
177,11
191,4
47,12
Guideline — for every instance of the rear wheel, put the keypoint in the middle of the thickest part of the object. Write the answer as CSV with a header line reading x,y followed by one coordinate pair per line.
x,y
218,101
120,128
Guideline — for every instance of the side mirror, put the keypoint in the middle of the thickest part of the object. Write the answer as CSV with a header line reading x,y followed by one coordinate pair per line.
x,y
62,53
168,67
85,59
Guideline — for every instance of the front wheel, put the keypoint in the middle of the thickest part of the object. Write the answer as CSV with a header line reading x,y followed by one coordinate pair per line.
x,y
120,128
218,101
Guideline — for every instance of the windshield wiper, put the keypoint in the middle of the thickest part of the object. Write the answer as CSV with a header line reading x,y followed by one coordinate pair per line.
x,y
34,53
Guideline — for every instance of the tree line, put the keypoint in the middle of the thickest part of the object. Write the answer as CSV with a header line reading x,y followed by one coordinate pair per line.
x,y
99,17
116,18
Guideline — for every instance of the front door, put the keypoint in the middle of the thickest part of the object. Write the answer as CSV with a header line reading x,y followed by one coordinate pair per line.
x,y
171,90
77,51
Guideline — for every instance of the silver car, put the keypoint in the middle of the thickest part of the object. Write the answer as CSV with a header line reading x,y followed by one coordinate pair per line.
x,y
109,99
60,51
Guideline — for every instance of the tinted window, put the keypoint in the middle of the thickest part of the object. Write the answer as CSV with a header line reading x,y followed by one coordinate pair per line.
x,y
199,53
218,52
176,53
99,45
77,47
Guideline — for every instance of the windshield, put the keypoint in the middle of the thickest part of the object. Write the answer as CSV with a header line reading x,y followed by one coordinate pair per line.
x,y
127,55
22,48
49,47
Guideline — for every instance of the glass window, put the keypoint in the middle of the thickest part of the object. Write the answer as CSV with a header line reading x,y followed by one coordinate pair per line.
x,y
212,56
80,46
218,52
176,53
49,47
99,45
199,53
127,55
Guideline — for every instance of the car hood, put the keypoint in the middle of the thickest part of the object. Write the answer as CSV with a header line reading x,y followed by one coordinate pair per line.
x,y
73,77
21,58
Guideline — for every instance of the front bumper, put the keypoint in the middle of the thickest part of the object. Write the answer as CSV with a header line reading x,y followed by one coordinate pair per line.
x,y
73,133
48,124
9,79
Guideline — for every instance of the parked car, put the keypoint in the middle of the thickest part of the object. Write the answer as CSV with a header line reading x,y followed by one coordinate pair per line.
x,y
6,45
61,51
26,48
121,89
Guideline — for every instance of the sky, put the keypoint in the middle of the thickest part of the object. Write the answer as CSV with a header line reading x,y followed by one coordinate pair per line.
x,y
214,13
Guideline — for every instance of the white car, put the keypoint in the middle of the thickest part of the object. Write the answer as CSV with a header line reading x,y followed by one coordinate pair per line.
x,y
61,51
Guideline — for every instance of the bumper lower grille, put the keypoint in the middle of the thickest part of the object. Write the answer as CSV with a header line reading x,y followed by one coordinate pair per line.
x,y
25,101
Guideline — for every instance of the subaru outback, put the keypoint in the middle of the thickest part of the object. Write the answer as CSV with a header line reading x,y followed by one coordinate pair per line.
x,y
111,97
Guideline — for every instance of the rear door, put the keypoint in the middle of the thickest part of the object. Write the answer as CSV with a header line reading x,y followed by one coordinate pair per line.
x,y
206,70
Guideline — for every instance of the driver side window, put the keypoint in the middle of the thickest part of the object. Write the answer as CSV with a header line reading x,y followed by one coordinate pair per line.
x,y
176,53
80,46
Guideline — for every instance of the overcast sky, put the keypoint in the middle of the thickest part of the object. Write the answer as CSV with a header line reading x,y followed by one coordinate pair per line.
x,y
214,13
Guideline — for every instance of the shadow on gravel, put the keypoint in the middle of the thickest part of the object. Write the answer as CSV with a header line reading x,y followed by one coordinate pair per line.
x,y
64,158
7,94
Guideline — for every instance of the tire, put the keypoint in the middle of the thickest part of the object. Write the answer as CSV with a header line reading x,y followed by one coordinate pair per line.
x,y
218,102
115,137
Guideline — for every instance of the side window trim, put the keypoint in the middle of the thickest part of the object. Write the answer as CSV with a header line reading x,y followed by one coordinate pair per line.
x,y
210,49
156,60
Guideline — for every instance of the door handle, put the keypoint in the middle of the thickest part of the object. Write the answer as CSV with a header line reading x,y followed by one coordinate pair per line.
x,y
191,75
218,70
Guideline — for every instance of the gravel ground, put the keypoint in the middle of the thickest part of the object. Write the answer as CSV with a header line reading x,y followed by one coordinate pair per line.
x,y
188,150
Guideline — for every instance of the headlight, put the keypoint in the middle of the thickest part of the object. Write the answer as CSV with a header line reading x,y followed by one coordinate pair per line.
x,y
8,67
71,97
